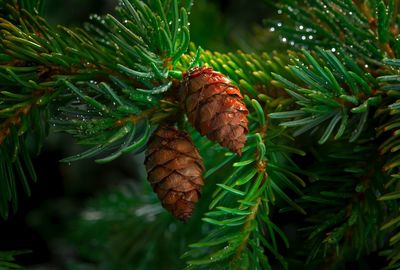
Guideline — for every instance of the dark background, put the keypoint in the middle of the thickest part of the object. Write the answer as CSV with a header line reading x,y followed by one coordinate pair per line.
x,y
41,224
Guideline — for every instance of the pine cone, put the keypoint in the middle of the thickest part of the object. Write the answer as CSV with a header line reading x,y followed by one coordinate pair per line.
x,y
215,108
174,168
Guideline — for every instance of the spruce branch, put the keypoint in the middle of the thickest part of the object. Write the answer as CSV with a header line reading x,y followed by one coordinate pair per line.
x,y
250,71
341,198
340,91
333,89
365,29
241,203
389,131
23,115
110,82
102,83
7,259
102,228
11,9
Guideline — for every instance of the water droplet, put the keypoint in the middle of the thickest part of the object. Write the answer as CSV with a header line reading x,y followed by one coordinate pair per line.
x,y
272,29
279,11
301,27
279,24
310,37
284,39
303,37
333,49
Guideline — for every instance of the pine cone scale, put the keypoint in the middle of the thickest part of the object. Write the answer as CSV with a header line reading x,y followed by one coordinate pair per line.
x,y
203,97
204,77
174,182
192,196
158,174
190,171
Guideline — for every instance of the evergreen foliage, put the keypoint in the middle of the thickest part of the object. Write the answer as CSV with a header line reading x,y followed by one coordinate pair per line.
x,y
7,259
321,153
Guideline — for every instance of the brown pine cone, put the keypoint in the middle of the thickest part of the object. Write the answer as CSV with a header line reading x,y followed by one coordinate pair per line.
x,y
215,108
174,168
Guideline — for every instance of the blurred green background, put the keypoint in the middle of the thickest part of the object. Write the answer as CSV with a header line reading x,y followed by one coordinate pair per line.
x,y
55,223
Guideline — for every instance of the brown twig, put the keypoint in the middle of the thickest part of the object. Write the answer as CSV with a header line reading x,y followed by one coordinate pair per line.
x,y
15,120
136,118
247,224
5,127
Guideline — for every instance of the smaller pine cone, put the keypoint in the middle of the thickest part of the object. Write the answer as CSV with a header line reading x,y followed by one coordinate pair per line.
x,y
174,168
215,108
